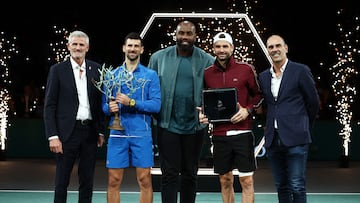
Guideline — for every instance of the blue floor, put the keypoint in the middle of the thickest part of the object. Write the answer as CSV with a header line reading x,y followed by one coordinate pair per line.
x,y
16,196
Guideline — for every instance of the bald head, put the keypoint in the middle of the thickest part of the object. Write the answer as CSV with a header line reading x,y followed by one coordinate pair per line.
x,y
276,38
187,24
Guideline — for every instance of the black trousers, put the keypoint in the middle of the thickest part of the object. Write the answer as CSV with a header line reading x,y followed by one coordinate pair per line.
x,y
179,157
80,147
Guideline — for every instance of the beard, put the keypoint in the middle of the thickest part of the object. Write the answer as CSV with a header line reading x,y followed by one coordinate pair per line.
x,y
184,46
222,59
132,58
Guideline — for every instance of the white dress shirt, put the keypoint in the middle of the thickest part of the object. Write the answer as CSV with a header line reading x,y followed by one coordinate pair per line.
x,y
275,84
81,86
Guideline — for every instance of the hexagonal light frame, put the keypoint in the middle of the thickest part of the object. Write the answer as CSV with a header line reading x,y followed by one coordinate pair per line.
x,y
259,147
208,15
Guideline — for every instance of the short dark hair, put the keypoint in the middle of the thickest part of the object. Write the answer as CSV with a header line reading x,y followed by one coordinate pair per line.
x,y
133,35
186,22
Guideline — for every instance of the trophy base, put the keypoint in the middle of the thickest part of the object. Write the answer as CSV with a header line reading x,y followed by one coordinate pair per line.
x,y
116,127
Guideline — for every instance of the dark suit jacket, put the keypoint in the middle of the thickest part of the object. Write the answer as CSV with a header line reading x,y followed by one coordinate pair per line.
x,y
61,100
296,107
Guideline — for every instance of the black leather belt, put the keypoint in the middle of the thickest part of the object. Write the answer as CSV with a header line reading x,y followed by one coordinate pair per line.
x,y
84,122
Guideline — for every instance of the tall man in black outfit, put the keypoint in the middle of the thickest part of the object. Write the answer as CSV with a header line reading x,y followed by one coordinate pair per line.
x,y
180,135
73,118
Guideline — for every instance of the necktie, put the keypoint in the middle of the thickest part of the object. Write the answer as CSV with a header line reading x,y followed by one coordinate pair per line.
x,y
80,72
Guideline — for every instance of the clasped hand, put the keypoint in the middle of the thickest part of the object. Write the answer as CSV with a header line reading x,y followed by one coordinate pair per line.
x,y
119,99
240,115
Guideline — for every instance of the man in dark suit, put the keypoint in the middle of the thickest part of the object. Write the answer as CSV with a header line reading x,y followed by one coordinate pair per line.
x,y
292,104
73,117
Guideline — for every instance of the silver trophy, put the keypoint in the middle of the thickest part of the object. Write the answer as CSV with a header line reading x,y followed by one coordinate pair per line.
x,y
110,83
107,84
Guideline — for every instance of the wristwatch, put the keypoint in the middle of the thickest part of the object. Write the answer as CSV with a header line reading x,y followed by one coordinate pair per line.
x,y
132,102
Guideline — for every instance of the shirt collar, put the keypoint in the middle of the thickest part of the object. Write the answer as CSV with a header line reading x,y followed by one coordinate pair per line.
x,y
74,65
282,69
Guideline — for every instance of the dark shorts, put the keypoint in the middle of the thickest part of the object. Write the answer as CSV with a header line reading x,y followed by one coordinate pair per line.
x,y
234,152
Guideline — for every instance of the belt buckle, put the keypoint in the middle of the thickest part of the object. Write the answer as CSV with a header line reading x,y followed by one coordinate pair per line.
x,y
84,122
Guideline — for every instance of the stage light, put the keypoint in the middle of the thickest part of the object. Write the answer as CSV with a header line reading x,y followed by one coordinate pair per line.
x,y
7,50
346,49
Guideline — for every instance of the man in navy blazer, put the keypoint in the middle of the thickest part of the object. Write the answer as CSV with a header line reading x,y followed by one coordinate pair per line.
x,y
74,121
292,104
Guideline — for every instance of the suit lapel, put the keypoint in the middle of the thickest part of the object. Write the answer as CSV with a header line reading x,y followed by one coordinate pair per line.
x,y
69,75
284,79
268,82
89,77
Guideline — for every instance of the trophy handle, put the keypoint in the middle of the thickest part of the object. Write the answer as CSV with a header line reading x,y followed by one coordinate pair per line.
x,y
116,124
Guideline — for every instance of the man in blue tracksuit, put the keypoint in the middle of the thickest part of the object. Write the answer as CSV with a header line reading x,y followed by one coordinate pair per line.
x,y
136,92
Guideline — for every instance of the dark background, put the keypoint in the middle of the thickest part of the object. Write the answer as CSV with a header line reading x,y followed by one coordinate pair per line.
x,y
307,26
